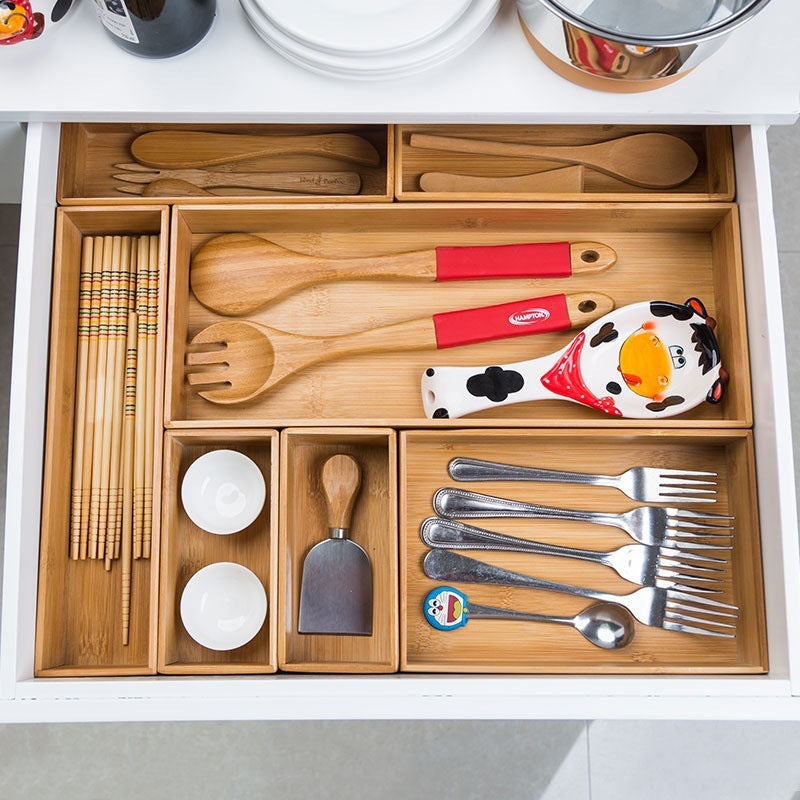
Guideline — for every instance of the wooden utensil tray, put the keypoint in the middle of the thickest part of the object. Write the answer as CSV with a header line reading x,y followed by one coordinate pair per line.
x,y
303,524
502,646
79,629
186,549
714,178
668,251
90,150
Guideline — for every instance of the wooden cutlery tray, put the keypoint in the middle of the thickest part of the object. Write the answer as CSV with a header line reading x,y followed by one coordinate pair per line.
x,y
501,646
304,524
89,152
666,251
185,549
713,180
79,629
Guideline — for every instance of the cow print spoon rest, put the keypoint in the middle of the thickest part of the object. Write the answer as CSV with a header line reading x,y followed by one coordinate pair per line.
x,y
642,361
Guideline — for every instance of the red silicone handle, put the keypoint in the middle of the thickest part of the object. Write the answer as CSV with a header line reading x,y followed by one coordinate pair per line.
x,y
520,318
539,260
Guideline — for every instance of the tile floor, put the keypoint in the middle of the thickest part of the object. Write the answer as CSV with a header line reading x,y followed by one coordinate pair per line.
x,y
602,760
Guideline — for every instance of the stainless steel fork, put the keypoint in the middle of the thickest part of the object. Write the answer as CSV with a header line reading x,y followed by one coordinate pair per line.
x,y
651,525
670,609
637,563
645,484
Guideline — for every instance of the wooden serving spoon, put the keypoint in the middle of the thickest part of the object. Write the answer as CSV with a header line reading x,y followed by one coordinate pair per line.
x,y
566,179
191,149
237,273
650,160
237,360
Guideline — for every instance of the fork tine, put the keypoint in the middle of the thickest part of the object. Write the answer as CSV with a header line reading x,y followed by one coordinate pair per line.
x,y
676,557
665,481
680,488
202,380
674,626
686,472
671,595
663,498
133,189
675,570
670,583
203,359
134,167
697,609
713,530
685,546
685,512
704,620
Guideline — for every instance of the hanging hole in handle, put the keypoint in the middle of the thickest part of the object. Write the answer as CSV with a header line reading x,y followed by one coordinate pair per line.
x,y
590,256
587,306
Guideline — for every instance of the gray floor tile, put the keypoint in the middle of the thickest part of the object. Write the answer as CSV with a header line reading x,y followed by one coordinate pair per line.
x,y
784,153
313,760
694,761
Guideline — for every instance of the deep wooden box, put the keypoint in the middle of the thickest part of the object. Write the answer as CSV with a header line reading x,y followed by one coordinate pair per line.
x,y
89,152
714,178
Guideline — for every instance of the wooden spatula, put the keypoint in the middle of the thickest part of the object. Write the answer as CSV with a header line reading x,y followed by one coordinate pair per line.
x,y
650,160
566,179
191,149
237,273
237,360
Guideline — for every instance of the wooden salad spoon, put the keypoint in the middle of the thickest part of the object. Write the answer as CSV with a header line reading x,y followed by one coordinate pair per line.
x,y
238,273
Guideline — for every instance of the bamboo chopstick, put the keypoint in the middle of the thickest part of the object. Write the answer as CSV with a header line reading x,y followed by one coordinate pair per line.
x,y
150,417
141,392
126,533
84,315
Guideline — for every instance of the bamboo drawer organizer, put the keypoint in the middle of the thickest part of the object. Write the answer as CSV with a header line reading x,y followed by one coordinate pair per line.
x,y
714,178
670,246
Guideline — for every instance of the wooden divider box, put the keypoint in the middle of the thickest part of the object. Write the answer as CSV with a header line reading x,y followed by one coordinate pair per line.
x,y
187,549
666,251
713,179
90,151
304,523
510,646
78,626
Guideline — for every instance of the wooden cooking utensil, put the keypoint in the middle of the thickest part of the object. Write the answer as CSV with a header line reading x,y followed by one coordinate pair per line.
x,y
237,273
237,360
190,149
650,160
170,187
566,179
334,183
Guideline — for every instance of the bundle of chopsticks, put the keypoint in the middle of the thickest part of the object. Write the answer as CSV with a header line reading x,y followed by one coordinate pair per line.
x,y
112,473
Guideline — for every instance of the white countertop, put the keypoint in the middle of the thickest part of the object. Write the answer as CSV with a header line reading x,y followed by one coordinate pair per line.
x,y
75,72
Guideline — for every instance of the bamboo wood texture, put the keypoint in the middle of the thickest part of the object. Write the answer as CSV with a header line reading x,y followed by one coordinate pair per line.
x,y
126,533
297,182
647,160
170,188
172,149
186,549
341,481
140,425
152,294
714,178
89,152
236,274
79,628
495,646
567,180
235,361
304,521
665,251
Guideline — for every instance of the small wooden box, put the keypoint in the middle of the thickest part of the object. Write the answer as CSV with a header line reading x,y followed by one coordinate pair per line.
x,y
89,152
78,626
666,251
303,524
714,178
186,549
503,646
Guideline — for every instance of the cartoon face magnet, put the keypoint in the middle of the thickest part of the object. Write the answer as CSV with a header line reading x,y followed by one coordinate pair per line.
x,y
445,608
18,22
642,361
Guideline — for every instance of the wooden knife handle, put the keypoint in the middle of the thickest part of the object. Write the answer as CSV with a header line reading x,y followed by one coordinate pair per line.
x,y
341,480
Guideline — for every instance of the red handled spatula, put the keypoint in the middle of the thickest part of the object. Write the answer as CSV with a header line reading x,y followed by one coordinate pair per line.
x,y
336,590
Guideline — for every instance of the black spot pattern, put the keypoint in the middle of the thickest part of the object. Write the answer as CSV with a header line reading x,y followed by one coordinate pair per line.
x,y
672,400
441,413
429,372
496,384
607,333
613,387
659,308
705,343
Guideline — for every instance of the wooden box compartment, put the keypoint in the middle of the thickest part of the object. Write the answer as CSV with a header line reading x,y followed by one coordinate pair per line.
x,y
666,251
503,646
186,549
89,152
304,523
714,178
78,621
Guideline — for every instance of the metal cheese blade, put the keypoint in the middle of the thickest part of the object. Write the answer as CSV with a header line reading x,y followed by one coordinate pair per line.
x,y
336,590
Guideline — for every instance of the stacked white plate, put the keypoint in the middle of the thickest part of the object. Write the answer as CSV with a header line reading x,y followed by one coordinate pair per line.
x,y
370,39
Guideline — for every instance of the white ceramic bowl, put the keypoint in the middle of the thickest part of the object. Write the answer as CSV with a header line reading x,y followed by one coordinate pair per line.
x,y
223,491
223,606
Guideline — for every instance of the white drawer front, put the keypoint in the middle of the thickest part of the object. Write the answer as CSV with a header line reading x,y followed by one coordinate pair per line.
x,y
400,696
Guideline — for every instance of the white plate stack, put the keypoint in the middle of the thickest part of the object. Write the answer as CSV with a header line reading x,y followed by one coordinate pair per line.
x,y
370,39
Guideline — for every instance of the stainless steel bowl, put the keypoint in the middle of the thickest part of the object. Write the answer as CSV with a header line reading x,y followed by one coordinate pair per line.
x,y
625,46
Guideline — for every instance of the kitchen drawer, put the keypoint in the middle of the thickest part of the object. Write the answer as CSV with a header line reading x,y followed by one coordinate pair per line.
x,y
774,695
